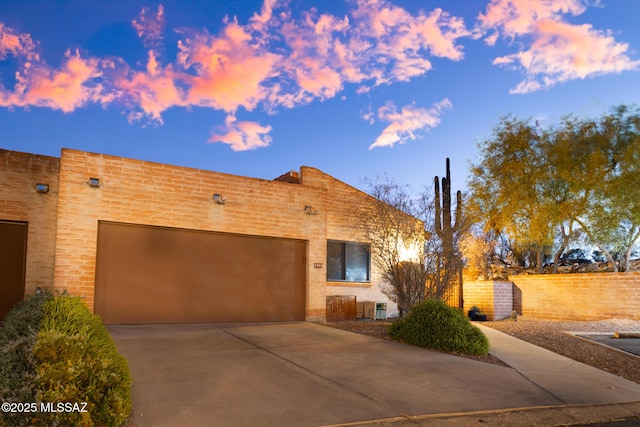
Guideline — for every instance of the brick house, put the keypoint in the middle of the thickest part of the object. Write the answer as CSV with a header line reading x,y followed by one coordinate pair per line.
x,y
144,242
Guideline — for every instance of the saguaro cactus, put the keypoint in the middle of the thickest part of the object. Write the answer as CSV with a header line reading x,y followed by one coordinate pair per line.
x,y
448,265
444,228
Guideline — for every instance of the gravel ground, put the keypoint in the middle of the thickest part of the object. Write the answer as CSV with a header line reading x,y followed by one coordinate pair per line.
x,y
549,334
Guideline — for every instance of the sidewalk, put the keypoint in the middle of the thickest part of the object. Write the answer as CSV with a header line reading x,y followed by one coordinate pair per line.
x,y
589,395
572,382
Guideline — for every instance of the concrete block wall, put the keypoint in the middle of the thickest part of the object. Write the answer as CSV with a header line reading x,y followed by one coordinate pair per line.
x,y
133,191
579,296
494,298
342,208
19,201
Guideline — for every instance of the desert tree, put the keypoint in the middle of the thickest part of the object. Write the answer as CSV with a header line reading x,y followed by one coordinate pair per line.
x,y
599,163
391,224
510,188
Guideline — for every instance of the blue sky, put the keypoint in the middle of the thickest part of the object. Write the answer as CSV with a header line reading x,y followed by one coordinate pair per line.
x,y
355,88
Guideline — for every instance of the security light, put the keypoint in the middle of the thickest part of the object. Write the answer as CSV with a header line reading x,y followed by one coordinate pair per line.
x,y
94,182
219,199
309,210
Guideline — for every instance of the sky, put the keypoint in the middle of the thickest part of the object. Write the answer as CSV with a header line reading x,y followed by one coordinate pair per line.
x,y
355,88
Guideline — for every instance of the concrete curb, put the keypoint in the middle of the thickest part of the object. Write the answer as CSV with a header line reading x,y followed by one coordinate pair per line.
x,y
583,335
566,415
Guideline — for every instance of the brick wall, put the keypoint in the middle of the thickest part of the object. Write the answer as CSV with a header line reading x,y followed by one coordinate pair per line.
x,y
588,296
63,224
19,201
494,298
139,192
342,208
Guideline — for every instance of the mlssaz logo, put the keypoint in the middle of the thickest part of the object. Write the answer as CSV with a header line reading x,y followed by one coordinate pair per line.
x,y
63,407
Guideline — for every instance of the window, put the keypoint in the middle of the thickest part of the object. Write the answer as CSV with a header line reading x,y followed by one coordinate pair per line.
x,y
348,261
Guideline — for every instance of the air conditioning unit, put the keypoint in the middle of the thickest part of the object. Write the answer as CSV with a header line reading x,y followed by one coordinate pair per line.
x,y
381,311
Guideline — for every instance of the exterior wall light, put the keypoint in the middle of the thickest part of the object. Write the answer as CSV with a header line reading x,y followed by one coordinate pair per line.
x,y
309,210
219,199
94,182
42,188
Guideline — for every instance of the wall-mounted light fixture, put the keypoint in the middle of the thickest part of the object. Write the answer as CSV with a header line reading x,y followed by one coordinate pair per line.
x,y
219,199
94,182
309,210
42,188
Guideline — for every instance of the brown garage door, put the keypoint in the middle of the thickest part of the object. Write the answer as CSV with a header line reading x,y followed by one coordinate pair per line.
x,y
163,275
13,252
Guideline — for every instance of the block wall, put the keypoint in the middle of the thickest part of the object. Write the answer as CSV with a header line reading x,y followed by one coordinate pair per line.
x,y
342,208
139,192
588,296
19,201
494,298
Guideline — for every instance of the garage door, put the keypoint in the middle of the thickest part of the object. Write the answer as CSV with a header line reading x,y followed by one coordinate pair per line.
x,y
163,275
13,252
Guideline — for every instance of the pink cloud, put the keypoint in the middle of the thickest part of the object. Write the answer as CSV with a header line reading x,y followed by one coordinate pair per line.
x,y
317,62
559,51
15,44
405,124
397,43
71,87
242,135
150,27
563,52
519,17
274,61
152,92
227,71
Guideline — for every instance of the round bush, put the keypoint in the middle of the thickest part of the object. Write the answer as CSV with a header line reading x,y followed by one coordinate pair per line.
x,y
433,324
53,349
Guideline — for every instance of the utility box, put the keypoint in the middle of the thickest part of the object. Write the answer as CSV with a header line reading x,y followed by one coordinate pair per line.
x,y
369,310
381,311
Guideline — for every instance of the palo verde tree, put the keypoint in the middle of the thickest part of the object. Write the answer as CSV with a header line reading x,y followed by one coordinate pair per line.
x,y
539,186
610,213
509,190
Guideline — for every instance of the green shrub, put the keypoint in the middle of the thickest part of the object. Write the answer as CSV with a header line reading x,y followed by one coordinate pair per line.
x,y
71,358
18,335
433,324
78,362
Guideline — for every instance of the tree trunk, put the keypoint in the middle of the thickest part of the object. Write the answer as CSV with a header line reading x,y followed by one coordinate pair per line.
x,y
601,247
611,260
563,246
540,258
627,255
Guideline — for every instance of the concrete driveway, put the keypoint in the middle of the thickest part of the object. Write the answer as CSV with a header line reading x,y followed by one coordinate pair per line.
x,y
304,375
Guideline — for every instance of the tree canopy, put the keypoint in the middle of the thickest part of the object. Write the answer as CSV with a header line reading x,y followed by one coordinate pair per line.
x,y
537,185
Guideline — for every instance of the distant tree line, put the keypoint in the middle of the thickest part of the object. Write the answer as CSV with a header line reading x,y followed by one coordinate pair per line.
x,y
536,190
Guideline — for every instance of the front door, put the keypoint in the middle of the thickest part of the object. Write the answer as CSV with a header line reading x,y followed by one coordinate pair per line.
x,y
13,256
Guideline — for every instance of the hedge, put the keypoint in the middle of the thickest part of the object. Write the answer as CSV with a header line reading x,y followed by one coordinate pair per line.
x,y
433,324
54,350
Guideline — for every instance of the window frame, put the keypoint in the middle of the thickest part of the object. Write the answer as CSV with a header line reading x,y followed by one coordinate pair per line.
x,y
345,261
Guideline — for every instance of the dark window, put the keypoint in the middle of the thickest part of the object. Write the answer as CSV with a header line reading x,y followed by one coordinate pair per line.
x,y
348,262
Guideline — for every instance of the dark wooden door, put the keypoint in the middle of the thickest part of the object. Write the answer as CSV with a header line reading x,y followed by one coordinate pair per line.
x,y
13,257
